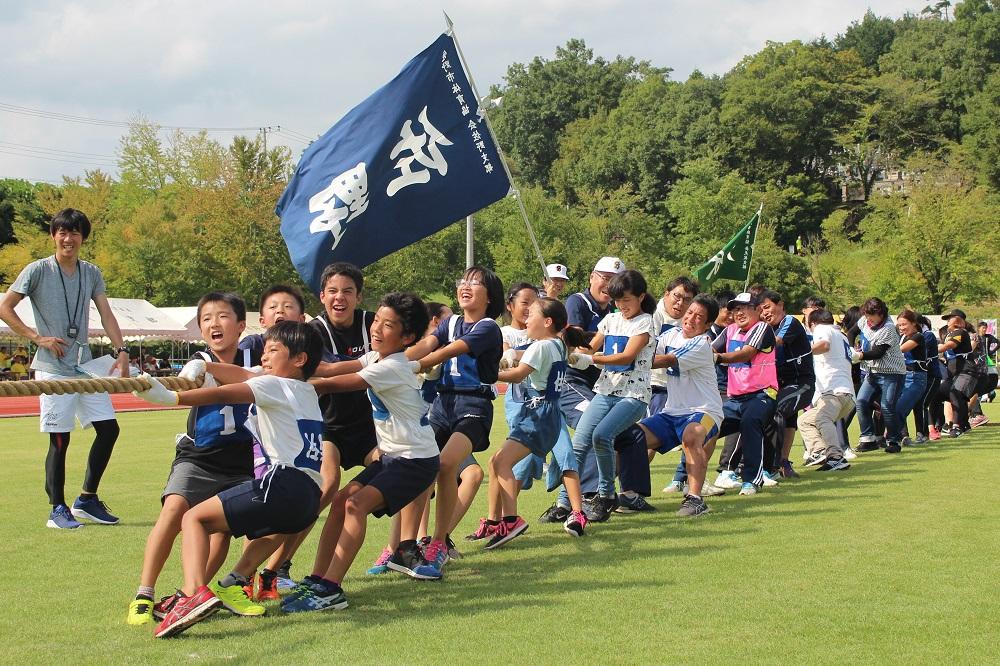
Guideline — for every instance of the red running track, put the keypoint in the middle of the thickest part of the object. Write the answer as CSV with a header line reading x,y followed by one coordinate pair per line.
x,y
123,402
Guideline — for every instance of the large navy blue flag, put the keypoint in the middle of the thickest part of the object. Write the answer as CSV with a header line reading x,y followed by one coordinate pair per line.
x,y
406,162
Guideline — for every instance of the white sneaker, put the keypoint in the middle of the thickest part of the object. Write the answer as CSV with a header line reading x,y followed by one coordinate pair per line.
x,y
849,454
769,481
711,490
728,480
816,458
675,487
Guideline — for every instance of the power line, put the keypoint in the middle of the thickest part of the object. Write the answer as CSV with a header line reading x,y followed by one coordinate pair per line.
x,y
63,160
298,135
65,117
58,151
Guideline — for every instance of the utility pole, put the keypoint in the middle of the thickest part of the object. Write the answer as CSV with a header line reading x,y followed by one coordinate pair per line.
x,y
469,249
264,132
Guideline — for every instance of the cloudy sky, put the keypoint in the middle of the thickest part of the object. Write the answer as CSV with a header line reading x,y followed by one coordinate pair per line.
x,y
301,65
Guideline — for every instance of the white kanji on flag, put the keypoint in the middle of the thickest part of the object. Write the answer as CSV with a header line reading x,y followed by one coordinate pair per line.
x,y
338,203
415,144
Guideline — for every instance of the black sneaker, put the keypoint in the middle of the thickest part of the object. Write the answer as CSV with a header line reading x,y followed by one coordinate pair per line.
x,y
954,431
892,447
835,465
637,504
864,447
453,552
600,508
406,560
554,514
692,506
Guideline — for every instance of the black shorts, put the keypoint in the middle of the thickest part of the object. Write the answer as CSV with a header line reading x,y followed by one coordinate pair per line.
x,y
965,385
353,442
791,400
285,501
986,384
400,480
469,414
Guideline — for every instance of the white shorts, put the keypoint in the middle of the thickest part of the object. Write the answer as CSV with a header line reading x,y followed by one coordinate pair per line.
x,y
59,412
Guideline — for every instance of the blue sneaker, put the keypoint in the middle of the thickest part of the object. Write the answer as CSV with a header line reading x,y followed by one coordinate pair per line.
x,y
305,587
748,489
319,597
62,519
94,510
382,563
435,557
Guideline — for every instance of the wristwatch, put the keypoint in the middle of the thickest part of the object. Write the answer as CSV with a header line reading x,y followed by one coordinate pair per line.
x,y
122,350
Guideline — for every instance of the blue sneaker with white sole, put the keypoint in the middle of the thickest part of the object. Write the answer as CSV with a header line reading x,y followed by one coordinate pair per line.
x,y
94,510
62,519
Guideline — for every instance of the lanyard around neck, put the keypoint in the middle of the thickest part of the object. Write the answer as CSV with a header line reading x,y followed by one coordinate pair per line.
x,y
79,293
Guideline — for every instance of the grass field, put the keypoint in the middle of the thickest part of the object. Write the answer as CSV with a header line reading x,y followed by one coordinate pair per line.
x,y
893,561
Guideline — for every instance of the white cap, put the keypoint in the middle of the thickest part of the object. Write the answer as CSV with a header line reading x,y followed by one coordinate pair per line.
x,y
745,298
609,265
556,271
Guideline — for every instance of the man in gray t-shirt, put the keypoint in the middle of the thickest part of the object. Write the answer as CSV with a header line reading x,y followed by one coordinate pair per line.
x,y
61,288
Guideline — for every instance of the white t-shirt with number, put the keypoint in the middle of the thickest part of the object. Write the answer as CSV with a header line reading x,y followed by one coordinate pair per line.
x,y
626,381
692,384
398,408
833,368
289,423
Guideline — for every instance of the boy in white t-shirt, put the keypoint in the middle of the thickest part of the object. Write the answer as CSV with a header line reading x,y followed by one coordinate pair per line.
x,y
289,427
834,397
408,460
693,410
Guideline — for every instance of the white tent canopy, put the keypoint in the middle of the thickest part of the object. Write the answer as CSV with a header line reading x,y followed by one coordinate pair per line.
x,y
188,317
137,318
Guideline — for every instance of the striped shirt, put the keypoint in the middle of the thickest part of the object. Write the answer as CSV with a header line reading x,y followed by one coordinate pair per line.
x,y
893,362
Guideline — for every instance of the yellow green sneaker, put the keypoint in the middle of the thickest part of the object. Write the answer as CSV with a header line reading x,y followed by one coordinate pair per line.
x,y
235,600
140,611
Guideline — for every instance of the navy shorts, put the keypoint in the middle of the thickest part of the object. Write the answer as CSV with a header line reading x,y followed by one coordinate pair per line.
x,y
353,442
285,501
669,429
400,480
468,413
537,426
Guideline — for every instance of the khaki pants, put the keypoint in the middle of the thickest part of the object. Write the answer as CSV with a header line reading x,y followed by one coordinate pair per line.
x,y
818,426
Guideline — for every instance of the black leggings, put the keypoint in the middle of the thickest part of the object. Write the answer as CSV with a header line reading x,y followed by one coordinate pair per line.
x,y
106,434
922,411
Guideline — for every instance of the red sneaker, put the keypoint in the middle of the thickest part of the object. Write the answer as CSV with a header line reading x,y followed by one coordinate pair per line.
x,y
163,606
188,611
249,588
934,433
505,531
484,531
268,589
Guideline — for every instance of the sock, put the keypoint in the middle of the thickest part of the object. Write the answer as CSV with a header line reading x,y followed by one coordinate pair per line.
x,y
409,544
233,578
284,570
692,495
510,519
267,577
631,494
492,522
144,592
87,496
330,585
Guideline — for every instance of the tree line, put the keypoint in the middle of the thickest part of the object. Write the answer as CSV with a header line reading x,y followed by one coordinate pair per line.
x,y
616,157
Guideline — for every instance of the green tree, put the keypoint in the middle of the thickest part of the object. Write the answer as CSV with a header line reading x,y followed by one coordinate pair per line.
x,y
935,245
541,98
870,38
783,108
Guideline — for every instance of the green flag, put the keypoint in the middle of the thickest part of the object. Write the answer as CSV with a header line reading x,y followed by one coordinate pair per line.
x,y
732,262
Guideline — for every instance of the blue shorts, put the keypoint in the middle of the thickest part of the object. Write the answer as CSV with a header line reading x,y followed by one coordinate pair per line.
x,y
537,426
285,501
468,413
670,429
400,480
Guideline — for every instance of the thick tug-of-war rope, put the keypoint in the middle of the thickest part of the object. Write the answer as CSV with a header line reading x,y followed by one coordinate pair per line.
x,y
91,385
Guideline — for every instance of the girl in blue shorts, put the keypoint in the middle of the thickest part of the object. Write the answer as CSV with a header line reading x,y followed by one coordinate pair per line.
x,y
537,424
468,347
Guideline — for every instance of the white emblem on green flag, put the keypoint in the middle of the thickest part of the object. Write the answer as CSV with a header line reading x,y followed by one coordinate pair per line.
x,y
732,262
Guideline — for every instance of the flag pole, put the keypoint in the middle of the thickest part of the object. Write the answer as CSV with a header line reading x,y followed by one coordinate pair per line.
x,y
482,112
760,211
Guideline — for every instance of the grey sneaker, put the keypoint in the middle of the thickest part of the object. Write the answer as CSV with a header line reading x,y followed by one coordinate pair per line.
x,y
711,490
692,506
637,504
